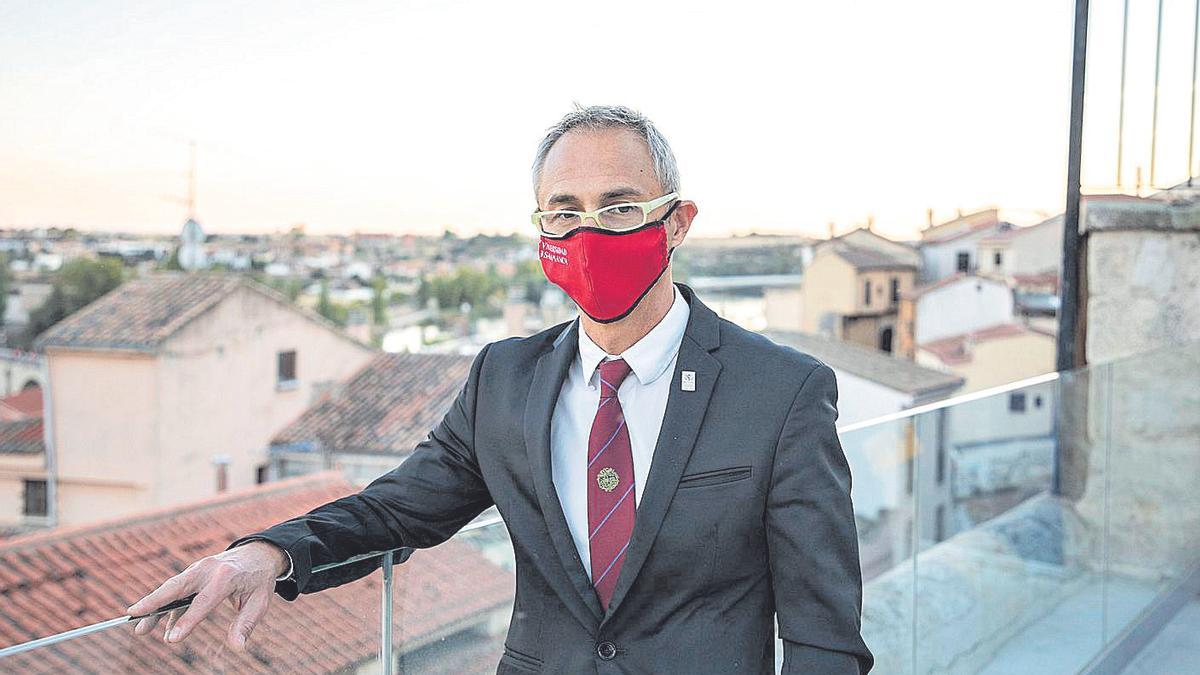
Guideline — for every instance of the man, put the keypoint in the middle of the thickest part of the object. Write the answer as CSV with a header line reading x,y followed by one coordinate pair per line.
x,y
672,483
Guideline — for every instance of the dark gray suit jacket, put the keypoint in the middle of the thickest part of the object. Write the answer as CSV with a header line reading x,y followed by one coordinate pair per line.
x,y
745,515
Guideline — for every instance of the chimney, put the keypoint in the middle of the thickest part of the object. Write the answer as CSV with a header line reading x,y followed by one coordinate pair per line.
x,y
870,223
221,462
831,227
929,217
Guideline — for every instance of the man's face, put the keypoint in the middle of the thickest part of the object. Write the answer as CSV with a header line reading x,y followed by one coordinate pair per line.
x,y
591,169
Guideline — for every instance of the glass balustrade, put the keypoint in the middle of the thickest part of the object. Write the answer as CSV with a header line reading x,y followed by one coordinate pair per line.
x,y
1023,529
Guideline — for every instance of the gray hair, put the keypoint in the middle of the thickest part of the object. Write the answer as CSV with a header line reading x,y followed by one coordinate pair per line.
x,y
613,117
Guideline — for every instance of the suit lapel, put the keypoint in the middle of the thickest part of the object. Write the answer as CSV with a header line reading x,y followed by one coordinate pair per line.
x,y
681,425
577,592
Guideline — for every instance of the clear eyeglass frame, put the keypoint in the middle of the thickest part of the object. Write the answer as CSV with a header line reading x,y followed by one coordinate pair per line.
x,y
596,216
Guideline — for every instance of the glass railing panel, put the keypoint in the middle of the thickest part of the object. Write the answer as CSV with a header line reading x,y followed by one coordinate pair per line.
x,y
470,580
1007,576
334,631
1154,482
883,463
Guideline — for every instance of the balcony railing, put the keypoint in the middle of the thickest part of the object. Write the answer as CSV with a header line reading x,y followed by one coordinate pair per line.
x,y
1047,526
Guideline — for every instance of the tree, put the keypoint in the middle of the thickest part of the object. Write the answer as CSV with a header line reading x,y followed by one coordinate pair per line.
x,y
329,309
173,261
77,284
378,303
531,279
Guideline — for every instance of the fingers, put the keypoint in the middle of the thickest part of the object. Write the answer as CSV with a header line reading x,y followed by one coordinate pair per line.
x,y
144,626
251,611
172,616
216,590
172,589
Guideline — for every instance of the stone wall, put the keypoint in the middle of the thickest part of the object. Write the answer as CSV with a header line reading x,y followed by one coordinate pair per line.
x,y
1143,274
1143,344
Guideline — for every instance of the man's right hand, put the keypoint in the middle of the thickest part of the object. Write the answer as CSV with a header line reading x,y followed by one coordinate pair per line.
x,y
245,575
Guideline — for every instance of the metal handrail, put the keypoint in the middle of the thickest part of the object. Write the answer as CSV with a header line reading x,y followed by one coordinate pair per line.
x,y
948,402
481,523
1011,386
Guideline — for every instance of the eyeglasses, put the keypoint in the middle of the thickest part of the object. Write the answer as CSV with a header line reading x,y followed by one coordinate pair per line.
x,y
614,218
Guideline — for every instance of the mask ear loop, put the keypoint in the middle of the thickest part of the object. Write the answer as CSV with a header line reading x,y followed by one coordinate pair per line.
x,y
663,221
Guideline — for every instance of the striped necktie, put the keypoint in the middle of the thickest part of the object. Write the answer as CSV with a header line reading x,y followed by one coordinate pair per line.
x,y
611,502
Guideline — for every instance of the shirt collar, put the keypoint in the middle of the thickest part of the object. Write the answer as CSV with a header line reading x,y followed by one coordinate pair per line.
x,y
650,356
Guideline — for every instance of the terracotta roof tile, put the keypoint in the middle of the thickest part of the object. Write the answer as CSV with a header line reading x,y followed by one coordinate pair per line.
x,y
918,291
864,258
22,437
962,226
23,404
62,579
1009,231
142,313
387,407
872,364
955,349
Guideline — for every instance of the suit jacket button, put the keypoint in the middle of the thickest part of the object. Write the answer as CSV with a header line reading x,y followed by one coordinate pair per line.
x,y
606,650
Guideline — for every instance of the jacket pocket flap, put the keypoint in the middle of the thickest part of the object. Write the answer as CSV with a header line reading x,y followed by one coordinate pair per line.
x,y
715,477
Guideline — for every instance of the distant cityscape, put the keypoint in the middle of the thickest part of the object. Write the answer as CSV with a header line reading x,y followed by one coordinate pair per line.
x,y
287,354
225,380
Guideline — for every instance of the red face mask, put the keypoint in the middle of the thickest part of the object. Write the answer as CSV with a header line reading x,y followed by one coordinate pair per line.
x,y
607,273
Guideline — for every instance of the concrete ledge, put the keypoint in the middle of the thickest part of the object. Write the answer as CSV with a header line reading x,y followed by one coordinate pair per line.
x,y
1118,212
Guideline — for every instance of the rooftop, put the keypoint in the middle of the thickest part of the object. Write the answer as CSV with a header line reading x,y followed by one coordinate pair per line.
x,y
864,250
23,404
22,437
142,313
21,431
386,408
77,575
918,291
961,226
871,364
1008,231
955,349
862,258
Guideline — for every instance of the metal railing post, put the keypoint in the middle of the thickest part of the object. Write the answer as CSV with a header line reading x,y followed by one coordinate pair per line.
x,y
1121,108
1154,114
386,660
1068,316
1192,117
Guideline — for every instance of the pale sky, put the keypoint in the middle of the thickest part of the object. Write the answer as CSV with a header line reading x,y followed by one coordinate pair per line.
x,y
414,116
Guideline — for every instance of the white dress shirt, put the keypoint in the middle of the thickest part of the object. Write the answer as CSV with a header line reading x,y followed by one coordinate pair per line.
x,y
643,397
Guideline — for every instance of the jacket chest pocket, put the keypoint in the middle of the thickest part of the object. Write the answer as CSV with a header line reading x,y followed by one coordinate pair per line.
x,y
716,477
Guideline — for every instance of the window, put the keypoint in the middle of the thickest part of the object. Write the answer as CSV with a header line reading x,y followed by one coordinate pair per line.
x,y
997,258
287,369
895,289
1037,401
964,261
261,474
1016,402
940,523
35,498
867,293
